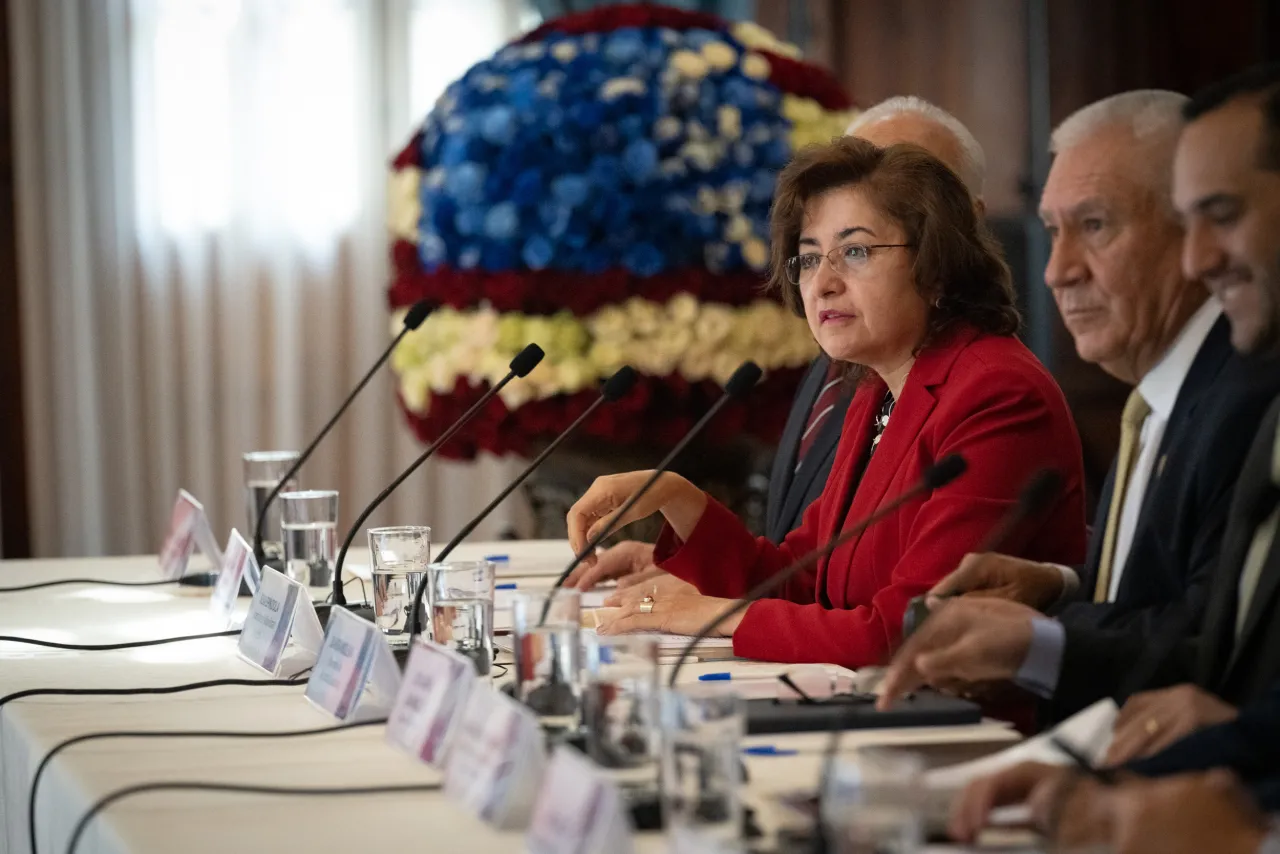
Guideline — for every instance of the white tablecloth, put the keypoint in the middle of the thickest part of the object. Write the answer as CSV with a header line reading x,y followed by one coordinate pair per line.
x,y
215,822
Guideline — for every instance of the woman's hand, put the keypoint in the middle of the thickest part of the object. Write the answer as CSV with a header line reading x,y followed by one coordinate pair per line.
x,y
677,499
678,609
629,562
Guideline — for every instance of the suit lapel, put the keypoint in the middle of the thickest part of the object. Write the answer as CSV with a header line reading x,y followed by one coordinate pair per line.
x,y
1260,606
823,447
1218,628
789,444
1089,578
909,416
857,432
1204,371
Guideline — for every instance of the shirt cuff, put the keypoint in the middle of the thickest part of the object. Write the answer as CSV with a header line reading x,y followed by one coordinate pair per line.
x,y
1070,584
1043,665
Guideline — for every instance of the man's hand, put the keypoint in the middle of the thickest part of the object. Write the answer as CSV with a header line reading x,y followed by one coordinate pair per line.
x,y
1038,585
629,562
1190,813
1014,785
964,641
1153,720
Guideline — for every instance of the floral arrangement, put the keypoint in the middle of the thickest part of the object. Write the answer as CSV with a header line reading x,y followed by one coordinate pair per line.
x,y
601,187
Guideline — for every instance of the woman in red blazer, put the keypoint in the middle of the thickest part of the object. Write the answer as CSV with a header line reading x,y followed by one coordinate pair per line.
x,y
883,252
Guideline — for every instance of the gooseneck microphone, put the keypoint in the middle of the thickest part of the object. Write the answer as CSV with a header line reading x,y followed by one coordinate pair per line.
x,y
1033,500
413,318
742,381
936,476
524,362
615,388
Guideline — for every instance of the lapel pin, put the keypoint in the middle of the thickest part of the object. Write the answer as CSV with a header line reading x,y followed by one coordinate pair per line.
x,y
1160,465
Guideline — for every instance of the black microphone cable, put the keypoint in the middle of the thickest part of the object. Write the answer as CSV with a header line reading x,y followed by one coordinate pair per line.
x,y
107,647
239,788
96,581
165,734
160,690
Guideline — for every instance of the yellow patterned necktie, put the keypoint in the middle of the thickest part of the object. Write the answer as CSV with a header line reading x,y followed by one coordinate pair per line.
x,y
1135,414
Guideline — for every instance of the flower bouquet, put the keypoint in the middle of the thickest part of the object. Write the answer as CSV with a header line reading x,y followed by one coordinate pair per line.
x,y
601,187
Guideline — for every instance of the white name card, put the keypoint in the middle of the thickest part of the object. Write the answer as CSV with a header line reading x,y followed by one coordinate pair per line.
x,y
579,810
188,529
281,611
237,562
356,670
434,690
496,762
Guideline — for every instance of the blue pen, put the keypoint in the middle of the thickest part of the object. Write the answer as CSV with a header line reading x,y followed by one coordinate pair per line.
x,y
715,677
498,558
768,750
508,586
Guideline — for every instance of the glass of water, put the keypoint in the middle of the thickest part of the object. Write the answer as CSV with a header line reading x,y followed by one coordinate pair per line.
x,y
262,472
702,730
400,557
461,593
310,526
874,803
620,709
545,629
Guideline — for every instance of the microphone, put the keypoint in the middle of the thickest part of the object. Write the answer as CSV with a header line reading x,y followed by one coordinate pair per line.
x,y
936,476
742,381
524,362
615,388
1033,500
412,320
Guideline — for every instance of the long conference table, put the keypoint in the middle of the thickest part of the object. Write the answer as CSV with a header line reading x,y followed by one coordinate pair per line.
x,y
194,822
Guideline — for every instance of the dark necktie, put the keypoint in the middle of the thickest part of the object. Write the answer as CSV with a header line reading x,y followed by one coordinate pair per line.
x,y
822,409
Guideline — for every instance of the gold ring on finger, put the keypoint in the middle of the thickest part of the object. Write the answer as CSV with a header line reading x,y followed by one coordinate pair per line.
x,y
646,605
1153,726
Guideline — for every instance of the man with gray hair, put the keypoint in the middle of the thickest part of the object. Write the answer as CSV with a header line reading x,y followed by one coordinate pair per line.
x,y
1116,275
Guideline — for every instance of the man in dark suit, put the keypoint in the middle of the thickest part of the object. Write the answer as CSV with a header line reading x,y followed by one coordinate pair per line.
x,y
1195,403
807,447
1227,188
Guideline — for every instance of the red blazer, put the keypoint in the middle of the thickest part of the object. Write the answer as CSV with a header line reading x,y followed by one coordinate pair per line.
x,y
983,396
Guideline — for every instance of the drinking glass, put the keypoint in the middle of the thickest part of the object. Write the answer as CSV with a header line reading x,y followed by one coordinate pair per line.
x,y
461,593
400,556
545,629
310,526
262,472
702,730
874,803
620,708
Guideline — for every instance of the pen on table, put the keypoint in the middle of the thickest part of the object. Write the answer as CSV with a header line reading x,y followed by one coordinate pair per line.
x,y
768,750
1105,776
715,677
510,585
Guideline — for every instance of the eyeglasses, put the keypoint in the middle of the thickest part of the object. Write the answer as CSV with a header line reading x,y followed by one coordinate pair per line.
x,y
846,260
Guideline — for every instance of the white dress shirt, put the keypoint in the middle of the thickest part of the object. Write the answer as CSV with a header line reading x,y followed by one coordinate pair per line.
x,y
1160,389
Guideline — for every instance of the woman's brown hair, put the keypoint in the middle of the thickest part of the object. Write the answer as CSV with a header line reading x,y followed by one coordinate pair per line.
x,y
959,269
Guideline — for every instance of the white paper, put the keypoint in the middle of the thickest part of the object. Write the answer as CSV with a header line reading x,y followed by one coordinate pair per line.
x,y
579,811
270,621
437,682
497,760
1089,730
355,675
188,528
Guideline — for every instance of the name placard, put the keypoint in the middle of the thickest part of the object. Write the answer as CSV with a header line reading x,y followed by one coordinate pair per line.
x,y
237,562
496,761
188,529
434,690
355,670
579,810
281,611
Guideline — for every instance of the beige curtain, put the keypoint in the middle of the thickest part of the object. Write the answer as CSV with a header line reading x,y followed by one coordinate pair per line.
x,y
203,251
